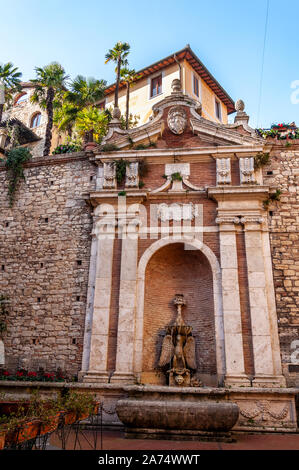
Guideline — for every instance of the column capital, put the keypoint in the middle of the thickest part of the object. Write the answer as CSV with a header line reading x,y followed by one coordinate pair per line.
x,y
256,219
227,220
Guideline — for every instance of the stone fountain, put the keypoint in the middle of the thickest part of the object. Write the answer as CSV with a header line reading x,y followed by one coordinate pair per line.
x,y
178,411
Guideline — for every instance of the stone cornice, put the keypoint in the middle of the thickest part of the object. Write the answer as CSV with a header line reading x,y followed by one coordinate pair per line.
x,y
111,197
52,160
183,153
239,192
216,131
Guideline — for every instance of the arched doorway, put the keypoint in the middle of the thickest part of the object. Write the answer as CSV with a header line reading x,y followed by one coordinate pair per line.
x,y
168,269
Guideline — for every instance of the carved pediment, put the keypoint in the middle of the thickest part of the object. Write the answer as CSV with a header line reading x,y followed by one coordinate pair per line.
x,y
179,113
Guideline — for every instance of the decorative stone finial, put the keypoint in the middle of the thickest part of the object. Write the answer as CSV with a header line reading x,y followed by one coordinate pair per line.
x,y
241,117
116,113
176,85
240,106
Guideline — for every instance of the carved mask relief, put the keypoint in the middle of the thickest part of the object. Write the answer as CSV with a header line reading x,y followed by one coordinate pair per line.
x,y
177,119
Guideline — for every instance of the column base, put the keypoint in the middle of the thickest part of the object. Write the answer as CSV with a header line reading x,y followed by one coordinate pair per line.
x,y
96,377
269,381
237,381
123,378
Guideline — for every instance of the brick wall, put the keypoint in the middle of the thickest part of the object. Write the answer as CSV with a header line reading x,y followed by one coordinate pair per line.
x,y
170,271
44,253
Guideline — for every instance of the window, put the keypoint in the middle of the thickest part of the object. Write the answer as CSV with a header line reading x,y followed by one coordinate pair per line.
x,y
156,86
195,86
21,99
218,109
35,120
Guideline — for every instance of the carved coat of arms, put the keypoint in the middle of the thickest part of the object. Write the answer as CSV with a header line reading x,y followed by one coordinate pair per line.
x,y
177,119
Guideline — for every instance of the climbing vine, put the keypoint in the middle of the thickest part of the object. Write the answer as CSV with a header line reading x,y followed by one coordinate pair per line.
x,y
261,159
16,158
273,197
120,170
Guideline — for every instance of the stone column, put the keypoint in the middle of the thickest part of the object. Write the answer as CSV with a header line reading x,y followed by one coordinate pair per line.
x,y
266,374
97,371
124,370
233,340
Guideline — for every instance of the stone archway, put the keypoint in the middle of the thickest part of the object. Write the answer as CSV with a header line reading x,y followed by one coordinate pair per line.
x,y
205,303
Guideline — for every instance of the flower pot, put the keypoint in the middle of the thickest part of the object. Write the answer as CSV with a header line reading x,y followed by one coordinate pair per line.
x,y
23,432
90,146
2,440
71,417
50,425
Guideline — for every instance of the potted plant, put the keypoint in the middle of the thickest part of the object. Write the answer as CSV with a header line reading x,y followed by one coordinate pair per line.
x,y
91,124
78,406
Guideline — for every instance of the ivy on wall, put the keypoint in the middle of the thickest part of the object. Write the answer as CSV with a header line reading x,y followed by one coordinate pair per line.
x,y
16,158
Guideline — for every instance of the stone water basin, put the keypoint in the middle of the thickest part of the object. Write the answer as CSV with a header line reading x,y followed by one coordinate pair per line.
x,y
177,412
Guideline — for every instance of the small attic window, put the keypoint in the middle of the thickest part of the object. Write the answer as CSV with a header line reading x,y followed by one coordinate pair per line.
x,y
21,98
218,109
156,86
195,86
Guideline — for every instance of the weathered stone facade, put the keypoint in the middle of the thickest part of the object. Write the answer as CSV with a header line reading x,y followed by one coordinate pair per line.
x,y
25,111
282,173
99,307
45,251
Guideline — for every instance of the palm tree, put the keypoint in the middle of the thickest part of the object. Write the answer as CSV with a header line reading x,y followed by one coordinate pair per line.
x,y
84,93
118,55
10,82
129,77
50,83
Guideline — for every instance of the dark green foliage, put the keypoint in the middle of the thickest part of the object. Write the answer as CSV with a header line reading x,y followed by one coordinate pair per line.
x,y
261,159
66,148
121,166
109,148
16,158
273,197
176,176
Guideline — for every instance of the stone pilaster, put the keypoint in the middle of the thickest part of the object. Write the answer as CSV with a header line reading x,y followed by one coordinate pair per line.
x,y
267,371
124,371
97,371
233,340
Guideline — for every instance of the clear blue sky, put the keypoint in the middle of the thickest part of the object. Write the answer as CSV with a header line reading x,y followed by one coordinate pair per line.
x,y
226,35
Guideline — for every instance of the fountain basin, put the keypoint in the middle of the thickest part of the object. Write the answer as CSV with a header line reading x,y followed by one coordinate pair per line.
x,y
177,413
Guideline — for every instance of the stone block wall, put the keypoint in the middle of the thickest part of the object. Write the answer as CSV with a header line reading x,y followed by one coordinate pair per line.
x,y
45,253
282,172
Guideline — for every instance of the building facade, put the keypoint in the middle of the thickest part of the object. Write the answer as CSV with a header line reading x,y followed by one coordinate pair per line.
x,y
98,244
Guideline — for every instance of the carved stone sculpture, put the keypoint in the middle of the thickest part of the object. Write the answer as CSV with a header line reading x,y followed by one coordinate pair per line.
x,y
247,175
178,349
109,175
132,177
223,171
177,119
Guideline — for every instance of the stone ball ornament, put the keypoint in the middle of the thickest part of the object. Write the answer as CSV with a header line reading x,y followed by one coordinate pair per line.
x,y
177,120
